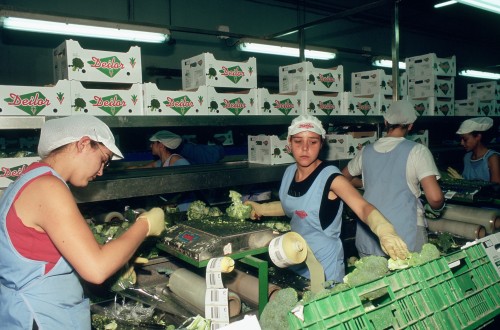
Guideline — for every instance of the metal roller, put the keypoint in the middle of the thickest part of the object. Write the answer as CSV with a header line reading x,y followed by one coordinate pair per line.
x,y
488,218
247,286
109,216
467,230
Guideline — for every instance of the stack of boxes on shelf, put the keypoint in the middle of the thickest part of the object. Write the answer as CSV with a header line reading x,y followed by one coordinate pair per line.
x,y
430,84
371,93
483,99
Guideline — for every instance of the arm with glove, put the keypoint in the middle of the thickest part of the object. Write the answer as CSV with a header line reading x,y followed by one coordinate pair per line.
x,y
453,173
265,209
434,205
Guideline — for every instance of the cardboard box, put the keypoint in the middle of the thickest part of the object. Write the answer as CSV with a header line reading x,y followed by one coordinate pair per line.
x,y
12,168
71,61
241,103
106,102
371,82
468,107
369,105
329,104
431,86
422,106
205,70
269,150
430,65
346,146
174,103
421,137
441,106
289,104
35,100
484,91
304,76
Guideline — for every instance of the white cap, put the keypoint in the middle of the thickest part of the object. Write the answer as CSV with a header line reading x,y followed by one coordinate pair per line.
x,y
61,131
478,124
400,112
306,123
167,138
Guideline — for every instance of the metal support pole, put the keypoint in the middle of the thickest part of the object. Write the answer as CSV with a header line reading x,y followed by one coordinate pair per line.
x,y
263,268
395,52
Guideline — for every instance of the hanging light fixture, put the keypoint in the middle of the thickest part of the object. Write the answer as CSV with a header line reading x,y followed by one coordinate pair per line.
x,y
284,49
386,63
41,23
479,74
489,5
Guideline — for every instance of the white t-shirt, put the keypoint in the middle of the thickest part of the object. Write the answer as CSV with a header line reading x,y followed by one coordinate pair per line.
x,y
420,165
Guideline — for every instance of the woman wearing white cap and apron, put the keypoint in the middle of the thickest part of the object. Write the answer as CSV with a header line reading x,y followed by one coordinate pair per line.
x,y
45,241
312,194
393,169
480,163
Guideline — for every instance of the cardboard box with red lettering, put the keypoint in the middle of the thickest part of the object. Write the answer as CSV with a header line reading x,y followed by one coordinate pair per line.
x,y
430,65
269,150
346,146
369,105
484,91
241,103
441,106
371,82
106,102
205,70
431,86
71,61
304,76
328,104
174,103
12,168
289,104
422,106
36,100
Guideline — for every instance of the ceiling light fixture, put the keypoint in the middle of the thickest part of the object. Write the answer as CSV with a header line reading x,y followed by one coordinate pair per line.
x,y
444,4
32,22
385,63
490,5
285,49
479,74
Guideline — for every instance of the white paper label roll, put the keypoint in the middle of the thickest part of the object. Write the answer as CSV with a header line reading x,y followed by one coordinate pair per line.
x,y
287,250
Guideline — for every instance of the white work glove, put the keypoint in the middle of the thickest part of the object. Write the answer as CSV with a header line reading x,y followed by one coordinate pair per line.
x,y
390,242
453,173
156,221
265,209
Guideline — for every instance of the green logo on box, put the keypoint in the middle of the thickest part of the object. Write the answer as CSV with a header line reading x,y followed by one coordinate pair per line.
x,y
110,104
12,173
284,106
234,73
31,103
235,106
110,66
181,104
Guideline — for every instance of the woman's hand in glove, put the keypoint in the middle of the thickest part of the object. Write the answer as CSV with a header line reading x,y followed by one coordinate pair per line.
x,y
156,221
390,242
265,209
453,173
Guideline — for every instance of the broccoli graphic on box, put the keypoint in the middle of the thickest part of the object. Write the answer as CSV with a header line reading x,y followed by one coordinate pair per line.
x,y
212,73
77,64
79,104
267,106
154,105
213,106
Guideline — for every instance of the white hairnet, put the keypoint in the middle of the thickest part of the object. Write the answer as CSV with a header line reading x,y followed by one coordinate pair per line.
x,y
167,138
478,124
306,123
400,112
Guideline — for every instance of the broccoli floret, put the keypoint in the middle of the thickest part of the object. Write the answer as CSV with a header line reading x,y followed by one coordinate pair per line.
x,y
274,315
367,269
429,252
197,210
237,209
214,211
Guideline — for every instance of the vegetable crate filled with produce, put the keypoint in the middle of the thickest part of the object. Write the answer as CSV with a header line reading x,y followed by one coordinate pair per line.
x,y
460,290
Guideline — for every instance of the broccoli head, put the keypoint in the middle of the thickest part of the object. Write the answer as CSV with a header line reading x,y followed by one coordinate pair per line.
x,y
429,252
367,269
197,210
237,209
274,315
214,211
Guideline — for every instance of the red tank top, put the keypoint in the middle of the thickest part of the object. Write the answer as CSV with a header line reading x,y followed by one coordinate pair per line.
x,y
29,242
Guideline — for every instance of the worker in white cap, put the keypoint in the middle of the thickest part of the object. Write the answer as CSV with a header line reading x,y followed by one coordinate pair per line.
x,y
480,162
163,146
393,169
313,193
45,241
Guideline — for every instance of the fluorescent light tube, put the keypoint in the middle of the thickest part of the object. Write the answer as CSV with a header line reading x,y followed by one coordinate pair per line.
x,y
83,28
490,5
384,63
285,49
446,3
479,74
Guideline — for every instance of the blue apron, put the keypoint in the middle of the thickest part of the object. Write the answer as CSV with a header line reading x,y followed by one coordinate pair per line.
x,y
386,187
477,169
53,300
304,213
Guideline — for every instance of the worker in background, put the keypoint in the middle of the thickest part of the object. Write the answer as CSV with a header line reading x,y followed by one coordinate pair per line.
x,y
45,241
313,193
393,169
480,163
164,145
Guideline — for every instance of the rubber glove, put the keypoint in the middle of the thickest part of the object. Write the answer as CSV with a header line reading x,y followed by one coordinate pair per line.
x,y
453,173
126,280
265,209
390,242
432,214
156,221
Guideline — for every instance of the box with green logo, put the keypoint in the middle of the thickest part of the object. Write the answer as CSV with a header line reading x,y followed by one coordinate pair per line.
x,y
368,105
326,104
431,65
287,104
204,69
484,91
241,103
36,100
441,106
371,82
174,103
12,168
269,150
71,61
431,86
346,146
304,76
106,102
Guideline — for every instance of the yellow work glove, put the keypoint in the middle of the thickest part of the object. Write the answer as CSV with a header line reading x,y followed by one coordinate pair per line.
x,y
126,280
453,173
156,221
265,209
390,242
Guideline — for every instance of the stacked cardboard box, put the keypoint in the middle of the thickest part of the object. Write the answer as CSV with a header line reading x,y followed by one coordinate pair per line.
x,y
482,100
